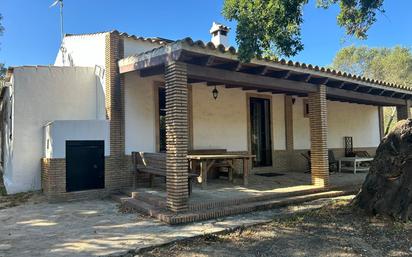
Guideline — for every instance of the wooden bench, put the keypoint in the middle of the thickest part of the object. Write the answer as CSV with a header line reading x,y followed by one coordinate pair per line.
x,y
223,166
154,164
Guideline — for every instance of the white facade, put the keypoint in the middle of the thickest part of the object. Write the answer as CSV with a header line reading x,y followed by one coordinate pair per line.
x,y
344,119
50,105
56,134
222,123
82,50
42,95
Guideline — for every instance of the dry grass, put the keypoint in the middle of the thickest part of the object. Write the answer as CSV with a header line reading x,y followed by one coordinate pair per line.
x,y
8,201
334,230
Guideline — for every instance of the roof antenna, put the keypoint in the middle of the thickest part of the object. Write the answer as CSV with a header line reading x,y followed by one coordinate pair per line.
x,y
62,48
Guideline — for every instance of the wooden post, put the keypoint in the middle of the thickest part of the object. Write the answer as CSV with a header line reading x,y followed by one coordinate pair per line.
x,y
318,137
177,137
245,171
404,111
381,121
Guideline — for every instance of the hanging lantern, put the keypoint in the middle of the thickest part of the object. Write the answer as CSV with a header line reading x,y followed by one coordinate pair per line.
x,y
215,93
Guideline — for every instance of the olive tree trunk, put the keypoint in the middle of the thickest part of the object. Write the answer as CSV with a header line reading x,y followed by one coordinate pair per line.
x,y
387,189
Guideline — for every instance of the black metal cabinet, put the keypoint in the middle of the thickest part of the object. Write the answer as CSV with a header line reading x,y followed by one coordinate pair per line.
x,y
84,165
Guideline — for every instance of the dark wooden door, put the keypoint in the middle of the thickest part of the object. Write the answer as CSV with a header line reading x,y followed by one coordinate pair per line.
x,y
84,165
260,131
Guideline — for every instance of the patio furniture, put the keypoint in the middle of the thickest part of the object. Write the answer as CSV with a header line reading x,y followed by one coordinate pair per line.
x,y
363,154
331,158
355,161
222,166
348,146
155,165
207,162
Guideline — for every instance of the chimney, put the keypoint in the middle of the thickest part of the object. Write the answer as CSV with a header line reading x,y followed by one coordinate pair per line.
x,y
219,34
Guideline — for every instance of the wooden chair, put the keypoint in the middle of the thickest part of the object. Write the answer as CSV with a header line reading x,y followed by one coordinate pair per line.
x,y
333,163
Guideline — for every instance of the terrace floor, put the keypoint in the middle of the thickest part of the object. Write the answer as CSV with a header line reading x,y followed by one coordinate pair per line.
x,y
286,183
222,198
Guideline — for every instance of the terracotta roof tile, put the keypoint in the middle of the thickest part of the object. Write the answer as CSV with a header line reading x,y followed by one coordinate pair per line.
x,y
158,40
303,66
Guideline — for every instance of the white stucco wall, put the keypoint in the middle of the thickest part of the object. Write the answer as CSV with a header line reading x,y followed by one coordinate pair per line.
x,y
222,123
41,95
59,131
344,119
83,51
219,123
139,114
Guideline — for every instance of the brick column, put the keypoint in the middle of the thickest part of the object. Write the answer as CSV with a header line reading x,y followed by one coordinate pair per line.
x,y
318,137
177,137
114,98
404,111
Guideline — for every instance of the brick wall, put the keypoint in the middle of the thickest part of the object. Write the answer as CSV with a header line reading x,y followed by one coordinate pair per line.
x,y
117,176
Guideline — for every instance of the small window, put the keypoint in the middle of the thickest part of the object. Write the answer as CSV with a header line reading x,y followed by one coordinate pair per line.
x,y
305,108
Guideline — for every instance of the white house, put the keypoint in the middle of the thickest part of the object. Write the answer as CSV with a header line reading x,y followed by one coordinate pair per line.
x,y
105,97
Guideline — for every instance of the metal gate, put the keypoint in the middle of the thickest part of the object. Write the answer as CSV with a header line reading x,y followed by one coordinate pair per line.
x,y
84,165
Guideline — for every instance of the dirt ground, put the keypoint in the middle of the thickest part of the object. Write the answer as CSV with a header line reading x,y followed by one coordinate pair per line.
x,y
8,201
334,230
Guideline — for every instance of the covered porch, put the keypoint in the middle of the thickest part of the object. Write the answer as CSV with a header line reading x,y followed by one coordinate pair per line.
x,y
185,65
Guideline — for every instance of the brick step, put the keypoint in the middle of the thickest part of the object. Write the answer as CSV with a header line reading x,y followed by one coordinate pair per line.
x,y
250,207
217,212
149,198
140,206
160,202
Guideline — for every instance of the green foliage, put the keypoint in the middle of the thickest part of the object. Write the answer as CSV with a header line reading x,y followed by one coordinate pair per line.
x,y
266,26
273,27
356,16
2,71
388,64
2,68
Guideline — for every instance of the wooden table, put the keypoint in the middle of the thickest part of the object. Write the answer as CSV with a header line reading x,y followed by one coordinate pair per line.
x,y
355,161
208,160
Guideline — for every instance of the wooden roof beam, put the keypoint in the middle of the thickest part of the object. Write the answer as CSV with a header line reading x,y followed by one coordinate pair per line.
x,y
248,80
152,71
318,81
347,95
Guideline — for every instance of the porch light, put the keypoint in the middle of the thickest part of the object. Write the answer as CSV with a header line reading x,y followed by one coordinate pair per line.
x,y
215,93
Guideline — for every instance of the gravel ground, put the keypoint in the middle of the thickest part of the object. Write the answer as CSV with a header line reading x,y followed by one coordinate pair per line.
x,y
334,230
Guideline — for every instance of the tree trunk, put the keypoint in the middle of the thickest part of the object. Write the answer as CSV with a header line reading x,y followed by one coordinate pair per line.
x,y
387,189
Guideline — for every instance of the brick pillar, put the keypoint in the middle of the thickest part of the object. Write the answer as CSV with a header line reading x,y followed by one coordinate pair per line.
x,y
404,111
289,122
114,98
177,136
319,137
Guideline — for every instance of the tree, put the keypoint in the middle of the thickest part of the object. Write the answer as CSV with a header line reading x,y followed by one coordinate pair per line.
x,y
388,64
2,68
267,27
387,188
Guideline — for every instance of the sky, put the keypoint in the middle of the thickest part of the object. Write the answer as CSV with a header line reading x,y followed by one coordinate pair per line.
x,y
32,35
